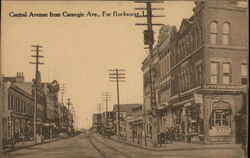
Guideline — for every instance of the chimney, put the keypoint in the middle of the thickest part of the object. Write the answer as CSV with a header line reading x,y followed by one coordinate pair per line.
x,y
20,77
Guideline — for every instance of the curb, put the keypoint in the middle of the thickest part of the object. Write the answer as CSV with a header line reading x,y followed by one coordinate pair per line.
x,y
26,146
173,149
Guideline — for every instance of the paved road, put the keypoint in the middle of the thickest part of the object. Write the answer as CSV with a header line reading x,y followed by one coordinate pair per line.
x,y
97,147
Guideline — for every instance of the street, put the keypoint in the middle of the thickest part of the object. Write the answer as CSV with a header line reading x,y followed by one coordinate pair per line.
x,y
83,146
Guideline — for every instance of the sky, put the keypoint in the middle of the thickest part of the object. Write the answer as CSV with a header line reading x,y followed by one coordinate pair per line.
x,y
78,52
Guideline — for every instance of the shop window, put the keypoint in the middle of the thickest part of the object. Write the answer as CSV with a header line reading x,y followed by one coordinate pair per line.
x,y
226,32
226,73
221,117
214,72
243,73
213,32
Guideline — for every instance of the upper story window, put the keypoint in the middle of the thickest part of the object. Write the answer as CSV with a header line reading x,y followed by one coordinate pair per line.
x,y
164,65
198,74
213,32
243,73
9,102
168,62
226,33
226,73
214,72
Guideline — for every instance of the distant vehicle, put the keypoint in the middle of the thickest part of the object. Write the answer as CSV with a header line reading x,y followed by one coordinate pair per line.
x,y
63,135
107,132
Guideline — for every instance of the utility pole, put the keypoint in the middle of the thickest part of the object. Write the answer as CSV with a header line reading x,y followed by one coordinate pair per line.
x,y
37,63
76,123
100,119
106,96
69,103
149,40
117,75
62,89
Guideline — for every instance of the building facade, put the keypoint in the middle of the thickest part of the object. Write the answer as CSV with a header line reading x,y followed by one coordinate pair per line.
x,y
205,84
18,110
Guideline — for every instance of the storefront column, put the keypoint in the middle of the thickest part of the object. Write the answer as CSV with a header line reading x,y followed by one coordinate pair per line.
x,y
206,120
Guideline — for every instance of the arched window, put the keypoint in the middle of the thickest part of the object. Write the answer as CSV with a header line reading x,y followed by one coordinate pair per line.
x,y
213,32
226,32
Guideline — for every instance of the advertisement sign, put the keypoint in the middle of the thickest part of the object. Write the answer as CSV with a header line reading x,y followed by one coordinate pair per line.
x,y
198,98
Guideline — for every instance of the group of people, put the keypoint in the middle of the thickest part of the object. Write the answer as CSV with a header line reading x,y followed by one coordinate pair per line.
x,y
169,135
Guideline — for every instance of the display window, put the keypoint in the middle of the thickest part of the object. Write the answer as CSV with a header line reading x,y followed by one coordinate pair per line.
x,y
221,117
220,122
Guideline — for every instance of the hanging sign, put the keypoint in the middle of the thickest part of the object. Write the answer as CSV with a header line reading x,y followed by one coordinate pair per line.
x,y
198,98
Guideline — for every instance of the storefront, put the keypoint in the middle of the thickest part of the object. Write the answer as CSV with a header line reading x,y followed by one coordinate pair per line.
x,y
137,131
220,114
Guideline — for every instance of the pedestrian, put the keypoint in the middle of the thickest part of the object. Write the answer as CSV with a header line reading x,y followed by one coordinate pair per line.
x,y
165,137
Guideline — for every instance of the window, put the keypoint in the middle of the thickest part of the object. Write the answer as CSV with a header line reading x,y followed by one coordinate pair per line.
x,y
18,104
221,117
226,73
188,78
9,102
198,74
15,103
213,32
177,54
214,72
198,37
168,63
184,77
226,31
243,73
165,65
12,102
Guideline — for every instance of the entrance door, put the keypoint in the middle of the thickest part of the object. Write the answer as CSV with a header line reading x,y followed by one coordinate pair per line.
x,y
239,129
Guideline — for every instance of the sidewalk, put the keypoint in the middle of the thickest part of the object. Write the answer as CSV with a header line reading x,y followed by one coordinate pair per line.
x,y
22,145
179,146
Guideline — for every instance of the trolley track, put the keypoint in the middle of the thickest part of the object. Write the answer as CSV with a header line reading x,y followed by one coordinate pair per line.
x,y
109,147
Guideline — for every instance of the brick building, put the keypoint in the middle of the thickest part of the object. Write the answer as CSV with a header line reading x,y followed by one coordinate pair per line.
x,y
208,71
17,109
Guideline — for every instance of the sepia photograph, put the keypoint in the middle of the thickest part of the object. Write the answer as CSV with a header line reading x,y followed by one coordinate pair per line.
x,y
124,79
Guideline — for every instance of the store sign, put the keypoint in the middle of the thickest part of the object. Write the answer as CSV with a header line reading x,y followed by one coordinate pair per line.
x,y
198,98
218,86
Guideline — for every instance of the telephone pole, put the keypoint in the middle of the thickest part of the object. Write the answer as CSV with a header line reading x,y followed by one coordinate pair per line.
x,y
69,103
62,89
37,63
149,40
100,119
106,96
117,75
